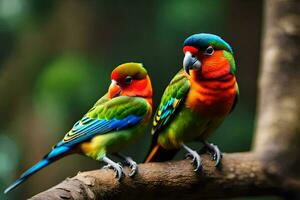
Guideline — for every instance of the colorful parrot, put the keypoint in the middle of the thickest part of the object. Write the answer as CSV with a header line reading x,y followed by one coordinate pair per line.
x,y
115,121
196,101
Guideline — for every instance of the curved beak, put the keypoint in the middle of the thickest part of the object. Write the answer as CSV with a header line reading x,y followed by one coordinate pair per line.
x,y
190,62
114,89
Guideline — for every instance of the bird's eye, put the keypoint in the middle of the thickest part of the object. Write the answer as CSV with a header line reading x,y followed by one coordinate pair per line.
x,y
209,51
128,79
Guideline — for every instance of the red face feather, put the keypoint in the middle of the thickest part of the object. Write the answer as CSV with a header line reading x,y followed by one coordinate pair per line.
x,y
131,81
115,75
213,86
191,49
214,66
138,88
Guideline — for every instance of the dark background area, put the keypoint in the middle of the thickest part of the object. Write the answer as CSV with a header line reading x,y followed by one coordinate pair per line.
x,y
56,58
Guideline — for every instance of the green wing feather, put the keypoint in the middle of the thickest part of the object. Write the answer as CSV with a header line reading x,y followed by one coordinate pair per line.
x,y
102,100
172,98
119,108
107,115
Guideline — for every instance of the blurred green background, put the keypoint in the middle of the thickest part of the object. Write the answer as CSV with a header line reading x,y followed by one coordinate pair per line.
x,y
55,62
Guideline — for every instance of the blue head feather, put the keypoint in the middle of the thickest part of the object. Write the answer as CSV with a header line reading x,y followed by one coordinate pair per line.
x,y
203,40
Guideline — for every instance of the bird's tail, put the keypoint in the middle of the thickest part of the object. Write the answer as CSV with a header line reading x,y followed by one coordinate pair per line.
x,y
159,154
55,154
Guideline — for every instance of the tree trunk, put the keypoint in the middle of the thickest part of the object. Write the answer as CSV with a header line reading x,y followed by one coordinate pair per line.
x,y
277,140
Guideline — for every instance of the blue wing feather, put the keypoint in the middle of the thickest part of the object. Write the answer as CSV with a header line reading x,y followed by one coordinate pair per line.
x,y
166,111
86,128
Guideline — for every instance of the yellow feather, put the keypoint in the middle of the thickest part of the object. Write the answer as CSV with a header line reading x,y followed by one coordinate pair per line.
x,y
176,102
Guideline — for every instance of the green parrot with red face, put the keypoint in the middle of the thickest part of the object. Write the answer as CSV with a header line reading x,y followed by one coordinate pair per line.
x,y
115,121
196,101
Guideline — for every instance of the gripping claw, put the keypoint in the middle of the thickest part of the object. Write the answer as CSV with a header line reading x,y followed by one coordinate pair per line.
x,y
215,152
196,159
131,163
115,166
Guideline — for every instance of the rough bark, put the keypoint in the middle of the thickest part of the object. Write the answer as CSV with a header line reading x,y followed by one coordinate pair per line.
x,y
241,174
277,140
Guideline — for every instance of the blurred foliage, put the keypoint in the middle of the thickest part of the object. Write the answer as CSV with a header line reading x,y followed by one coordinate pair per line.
x,y
66,86
9,156
55,62
176,13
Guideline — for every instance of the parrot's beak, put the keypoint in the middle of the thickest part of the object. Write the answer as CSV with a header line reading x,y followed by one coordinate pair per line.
x,y
190,62
114,89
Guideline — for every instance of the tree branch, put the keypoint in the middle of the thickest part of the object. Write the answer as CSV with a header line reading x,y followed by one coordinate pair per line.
x,y
240,174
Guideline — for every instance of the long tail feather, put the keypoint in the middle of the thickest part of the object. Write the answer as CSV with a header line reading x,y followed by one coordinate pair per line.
x,y
52,156
159,154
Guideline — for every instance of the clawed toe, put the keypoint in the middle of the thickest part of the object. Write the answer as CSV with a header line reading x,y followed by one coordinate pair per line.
x,y
117,167
215,153
129,162
133,168
119,171
108,166
132,165
196,160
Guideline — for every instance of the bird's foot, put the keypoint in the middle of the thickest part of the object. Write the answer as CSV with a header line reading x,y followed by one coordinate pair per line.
x,y
195,157
117,167
214,151
129,162
108,166
132,165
